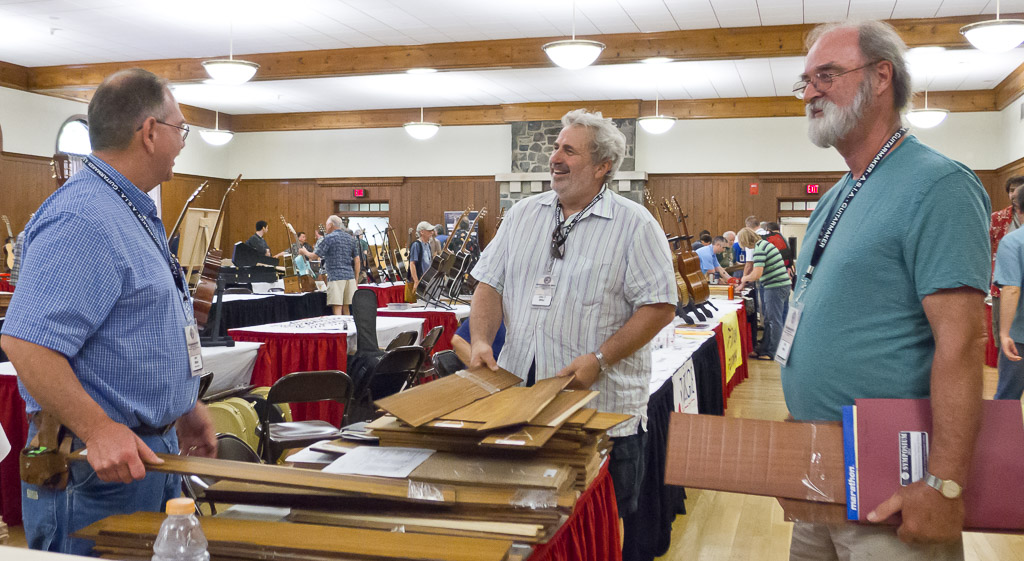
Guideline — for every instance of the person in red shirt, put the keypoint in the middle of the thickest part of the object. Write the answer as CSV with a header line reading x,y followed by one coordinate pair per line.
x,y
1004,221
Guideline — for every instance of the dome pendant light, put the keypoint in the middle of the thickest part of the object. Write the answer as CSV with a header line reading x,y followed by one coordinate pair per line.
x,y
657,123
928,117
995,35
216,137
574,53
421,130
228,71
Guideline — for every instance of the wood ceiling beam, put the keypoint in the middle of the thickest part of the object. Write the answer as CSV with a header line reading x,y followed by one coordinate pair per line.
x,y
697,44
1010,88
14,76
748,107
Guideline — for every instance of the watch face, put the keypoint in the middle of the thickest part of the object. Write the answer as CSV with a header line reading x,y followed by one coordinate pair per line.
x,y
950,489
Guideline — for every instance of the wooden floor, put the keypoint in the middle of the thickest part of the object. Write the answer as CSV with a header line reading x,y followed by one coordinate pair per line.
x,y
728,526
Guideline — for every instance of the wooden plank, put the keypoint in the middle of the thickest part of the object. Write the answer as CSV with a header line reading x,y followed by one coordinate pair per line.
x,y
13,76
418,524
535,400
1010,88
524,437
563,407
395,489
235,537
430,401
605,421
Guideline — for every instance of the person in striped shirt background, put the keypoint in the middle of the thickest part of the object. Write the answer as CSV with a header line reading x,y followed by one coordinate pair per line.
x,y
770,270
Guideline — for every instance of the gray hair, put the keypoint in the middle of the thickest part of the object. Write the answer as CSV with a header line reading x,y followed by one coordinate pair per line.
x,y
1018,200
122,102
608,144
878,41
335,221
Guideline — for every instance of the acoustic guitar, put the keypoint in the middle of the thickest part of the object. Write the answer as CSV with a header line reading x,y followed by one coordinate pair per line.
x,y
682,290
64,166
206,288
440,264
301,280
174,238
8,247
700,288
464,259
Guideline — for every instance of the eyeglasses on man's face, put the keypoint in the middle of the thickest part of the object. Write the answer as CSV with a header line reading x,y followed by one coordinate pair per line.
x,y
822,81
184,128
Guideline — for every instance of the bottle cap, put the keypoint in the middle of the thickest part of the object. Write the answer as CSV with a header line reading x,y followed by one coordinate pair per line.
x,y
181,505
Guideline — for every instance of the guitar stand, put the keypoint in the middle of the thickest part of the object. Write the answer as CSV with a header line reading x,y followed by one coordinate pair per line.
x,y
211,336
433,293
683,313
703,306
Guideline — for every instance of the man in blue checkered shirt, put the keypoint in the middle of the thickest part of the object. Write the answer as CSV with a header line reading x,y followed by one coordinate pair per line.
x,y
97,329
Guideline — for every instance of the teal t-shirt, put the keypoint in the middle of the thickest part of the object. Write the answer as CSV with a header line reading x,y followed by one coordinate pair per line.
x,y
1010,272
918,225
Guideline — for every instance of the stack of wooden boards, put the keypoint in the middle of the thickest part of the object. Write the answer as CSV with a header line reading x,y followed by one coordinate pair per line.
x,y
4,536
479,412
132,537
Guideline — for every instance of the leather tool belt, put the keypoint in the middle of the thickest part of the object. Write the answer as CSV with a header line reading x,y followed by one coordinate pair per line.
x,y
44,461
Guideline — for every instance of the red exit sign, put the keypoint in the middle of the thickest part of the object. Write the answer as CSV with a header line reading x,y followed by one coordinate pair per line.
x,y
812,188
360,193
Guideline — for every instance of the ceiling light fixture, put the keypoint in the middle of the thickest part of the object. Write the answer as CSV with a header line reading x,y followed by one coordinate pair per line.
x,y
574,53
216,137
230,71
421,130
995,35
927,117
657,123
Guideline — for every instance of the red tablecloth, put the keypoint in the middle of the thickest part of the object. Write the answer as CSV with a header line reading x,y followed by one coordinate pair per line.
x,y
284,353
592,531
432,318
387,294
4,285
991,349
12,417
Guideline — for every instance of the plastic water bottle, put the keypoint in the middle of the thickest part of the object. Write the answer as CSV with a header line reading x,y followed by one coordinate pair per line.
x,y
181,537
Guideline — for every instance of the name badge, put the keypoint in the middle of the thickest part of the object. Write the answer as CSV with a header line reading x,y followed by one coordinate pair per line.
x,y
543,291
788,332
195,349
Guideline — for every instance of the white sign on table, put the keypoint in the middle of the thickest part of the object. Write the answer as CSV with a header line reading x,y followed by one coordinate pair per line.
x,y
684,388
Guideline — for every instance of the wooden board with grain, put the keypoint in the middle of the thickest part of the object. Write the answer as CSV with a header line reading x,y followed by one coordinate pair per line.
x,y
563,407
427,402
264,540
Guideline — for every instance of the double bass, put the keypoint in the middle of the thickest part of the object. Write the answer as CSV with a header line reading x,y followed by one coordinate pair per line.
x,y
206,289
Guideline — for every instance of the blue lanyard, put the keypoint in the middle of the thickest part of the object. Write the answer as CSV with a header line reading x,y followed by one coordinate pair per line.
x,y
171,260
828,228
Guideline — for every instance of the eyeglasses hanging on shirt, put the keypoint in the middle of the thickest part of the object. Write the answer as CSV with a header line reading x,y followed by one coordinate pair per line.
x,y
561,233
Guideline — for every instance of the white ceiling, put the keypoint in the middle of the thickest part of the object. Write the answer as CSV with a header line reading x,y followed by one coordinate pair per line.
x,y
61,32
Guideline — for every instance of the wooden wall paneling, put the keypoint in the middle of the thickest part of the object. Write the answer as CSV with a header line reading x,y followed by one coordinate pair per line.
x,y
25,182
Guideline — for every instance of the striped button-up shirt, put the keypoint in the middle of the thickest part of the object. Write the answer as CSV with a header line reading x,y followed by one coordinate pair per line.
x,y
96,288
616,260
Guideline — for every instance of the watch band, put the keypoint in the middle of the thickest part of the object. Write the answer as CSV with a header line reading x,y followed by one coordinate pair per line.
x,y
601,362
949,488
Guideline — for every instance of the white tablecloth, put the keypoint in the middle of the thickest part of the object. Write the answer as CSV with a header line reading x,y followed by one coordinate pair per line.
x,y
461,311
231,366
387,328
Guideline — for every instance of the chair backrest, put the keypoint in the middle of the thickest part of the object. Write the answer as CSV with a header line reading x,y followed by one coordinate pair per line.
x,y
430,339
230,447
404,339
234,418
301,387
447,363
364,313
204,383
397,369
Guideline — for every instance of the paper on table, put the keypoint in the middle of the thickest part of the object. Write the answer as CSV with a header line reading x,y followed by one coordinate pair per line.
x,y
382,462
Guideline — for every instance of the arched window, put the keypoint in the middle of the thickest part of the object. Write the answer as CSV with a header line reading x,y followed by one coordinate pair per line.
x,y
73,137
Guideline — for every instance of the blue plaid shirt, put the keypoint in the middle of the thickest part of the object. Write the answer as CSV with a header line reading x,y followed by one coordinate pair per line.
x,y
338,250
95,288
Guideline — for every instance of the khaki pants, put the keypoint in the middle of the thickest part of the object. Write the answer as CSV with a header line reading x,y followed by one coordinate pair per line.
x,y
855,542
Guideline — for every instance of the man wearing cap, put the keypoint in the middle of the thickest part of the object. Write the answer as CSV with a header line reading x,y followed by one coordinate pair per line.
x,y
420,253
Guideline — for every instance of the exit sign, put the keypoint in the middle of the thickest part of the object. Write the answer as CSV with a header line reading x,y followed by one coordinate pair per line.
x,y
812,188
360,193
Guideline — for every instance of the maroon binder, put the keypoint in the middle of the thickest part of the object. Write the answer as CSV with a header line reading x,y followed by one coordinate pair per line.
x,y
994,490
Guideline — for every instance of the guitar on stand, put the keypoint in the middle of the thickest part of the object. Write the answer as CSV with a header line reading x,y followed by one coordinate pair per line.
x,y
64,166
401,257
465,259
174,238
387,268
7,264
700,288
299,278
682,290
432,280
208,294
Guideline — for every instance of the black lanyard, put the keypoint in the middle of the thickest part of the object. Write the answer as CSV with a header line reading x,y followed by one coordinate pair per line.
x,y
171,261
560,237
828,228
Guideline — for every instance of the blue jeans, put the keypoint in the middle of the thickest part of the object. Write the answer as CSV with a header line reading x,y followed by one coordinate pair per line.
x,y
51,516
627,465
775,304
1011,376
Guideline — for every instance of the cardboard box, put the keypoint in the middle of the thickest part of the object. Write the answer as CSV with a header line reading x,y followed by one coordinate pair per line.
x,y
777,459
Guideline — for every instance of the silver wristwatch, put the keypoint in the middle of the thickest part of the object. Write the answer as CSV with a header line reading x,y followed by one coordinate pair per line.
x,y
601,362
949,488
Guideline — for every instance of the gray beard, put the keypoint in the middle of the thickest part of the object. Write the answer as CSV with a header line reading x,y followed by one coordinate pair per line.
x,y
836,122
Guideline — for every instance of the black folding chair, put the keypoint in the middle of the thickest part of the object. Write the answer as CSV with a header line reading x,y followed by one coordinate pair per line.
x,y
404,339
393,373
447,363
303,387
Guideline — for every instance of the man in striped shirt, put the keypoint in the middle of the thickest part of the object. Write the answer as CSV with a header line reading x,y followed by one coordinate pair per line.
x,y
585,279
770,270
